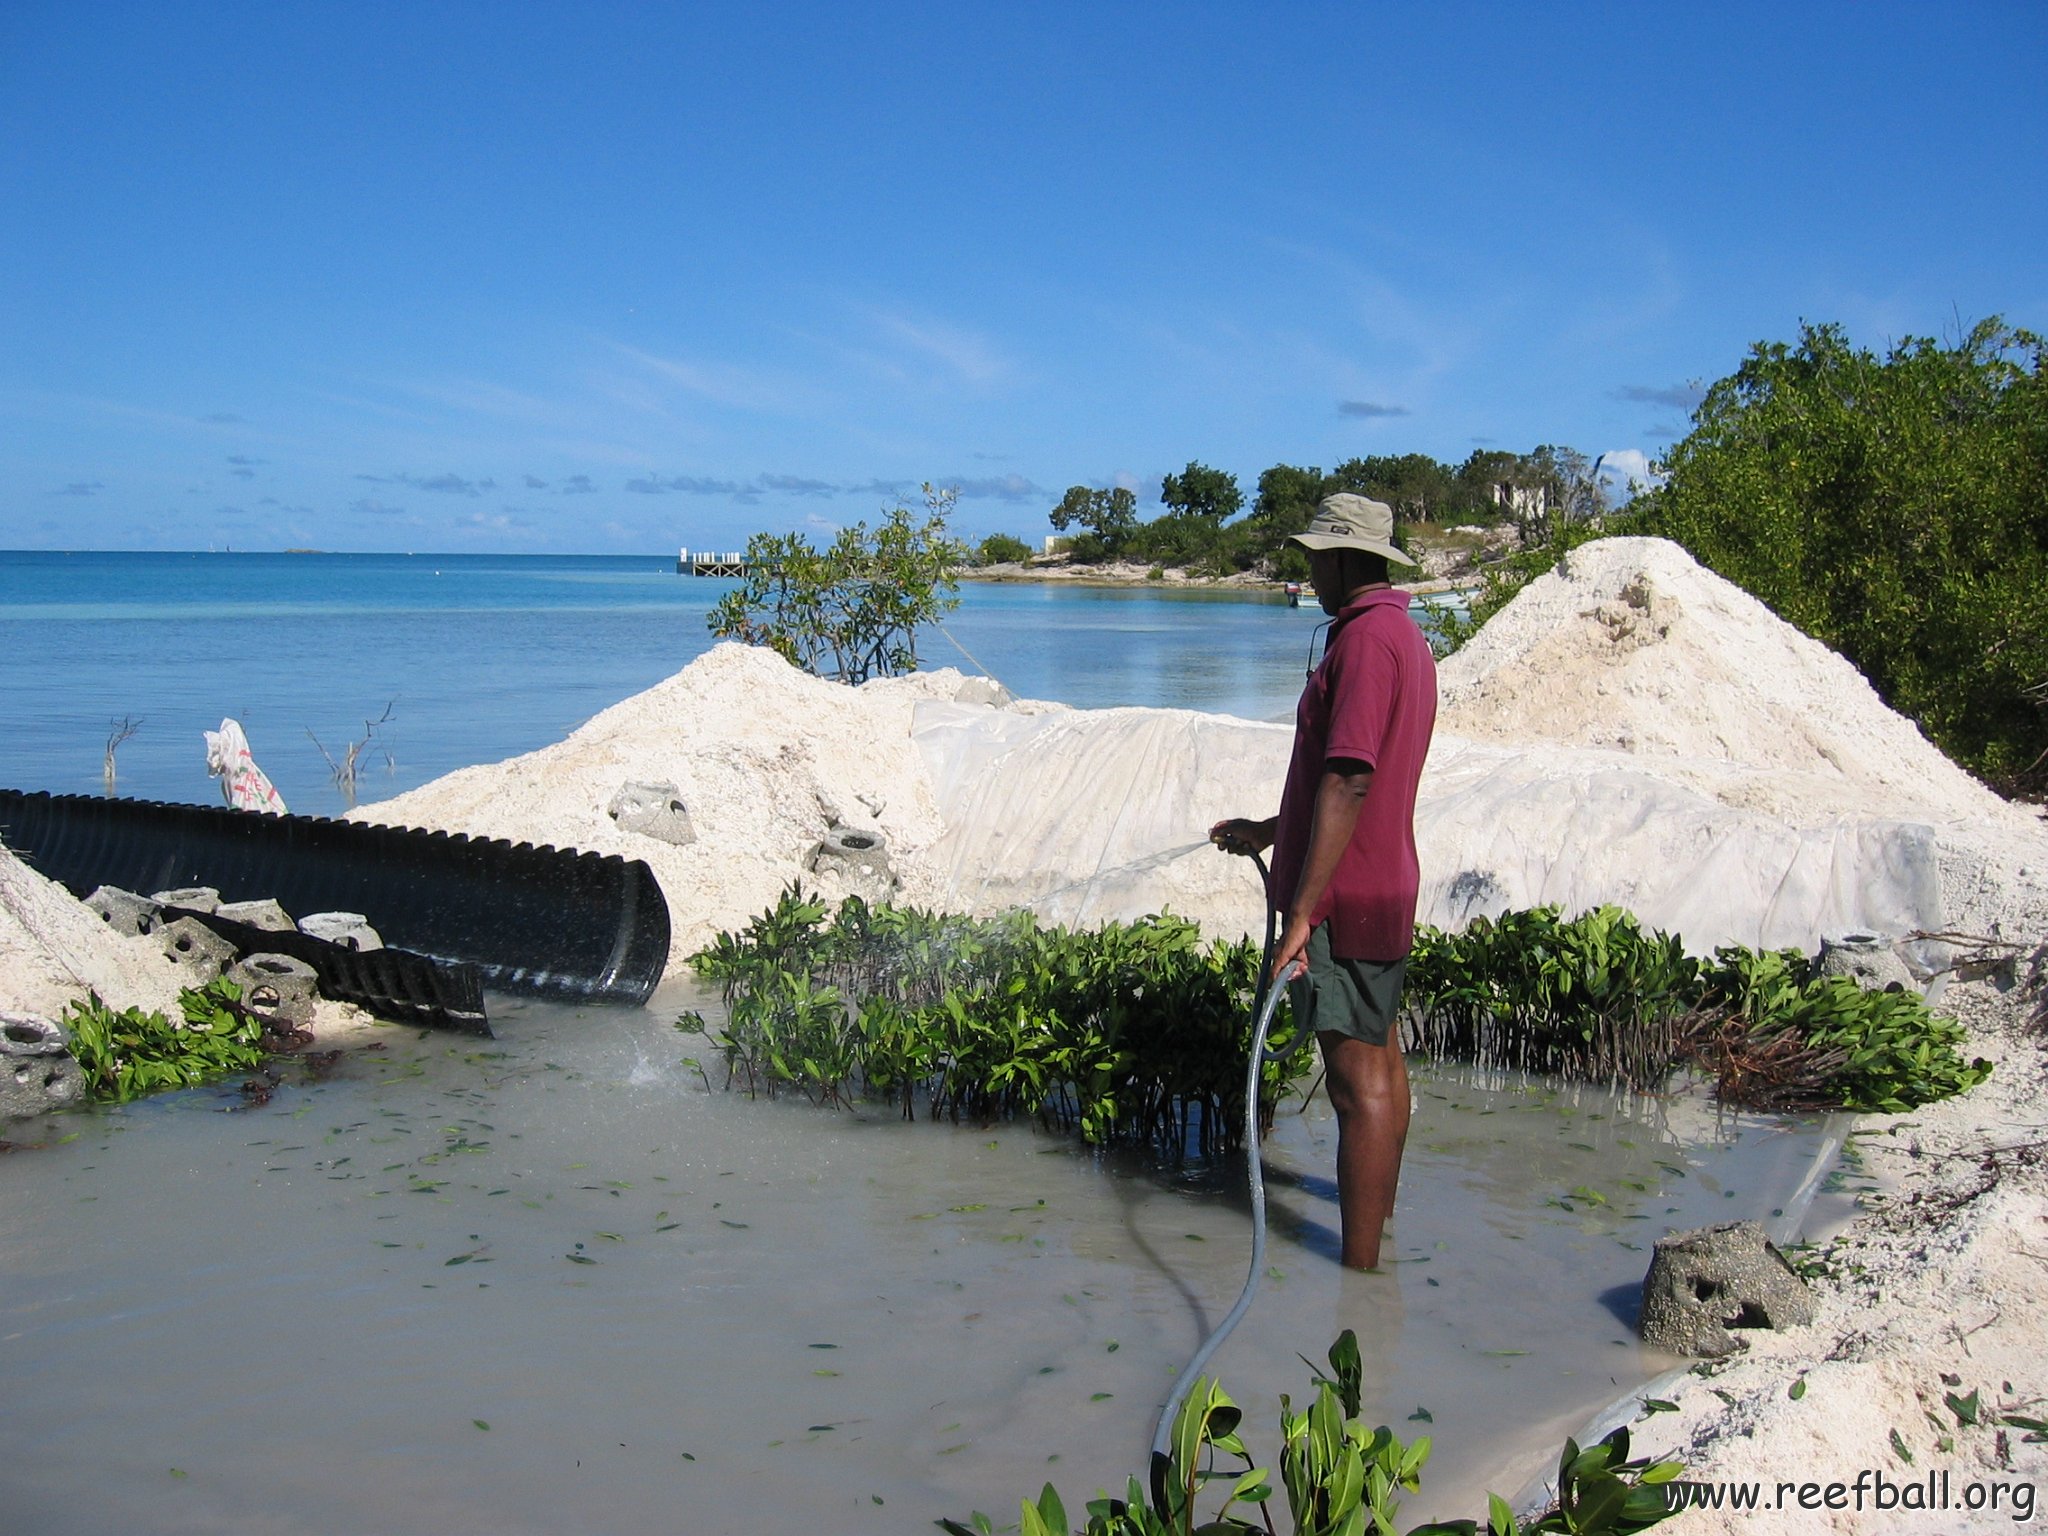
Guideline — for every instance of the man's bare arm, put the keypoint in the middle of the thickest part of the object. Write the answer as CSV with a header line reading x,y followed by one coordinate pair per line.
x,y
1340,797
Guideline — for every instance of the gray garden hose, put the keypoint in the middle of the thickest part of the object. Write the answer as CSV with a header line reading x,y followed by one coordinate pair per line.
x,y
1266,1001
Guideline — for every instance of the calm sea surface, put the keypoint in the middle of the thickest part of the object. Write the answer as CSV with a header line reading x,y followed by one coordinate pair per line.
x,y
481,657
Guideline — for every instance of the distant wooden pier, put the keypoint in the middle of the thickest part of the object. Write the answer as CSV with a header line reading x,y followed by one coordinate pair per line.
x,y
705,562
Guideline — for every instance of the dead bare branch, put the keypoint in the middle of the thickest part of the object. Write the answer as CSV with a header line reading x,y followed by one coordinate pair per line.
x,y
118,732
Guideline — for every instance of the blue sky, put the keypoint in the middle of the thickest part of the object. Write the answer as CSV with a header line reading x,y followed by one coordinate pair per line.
x,y
598,278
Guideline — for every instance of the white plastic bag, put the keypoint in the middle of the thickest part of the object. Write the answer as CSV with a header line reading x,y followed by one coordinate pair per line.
x,y
242,784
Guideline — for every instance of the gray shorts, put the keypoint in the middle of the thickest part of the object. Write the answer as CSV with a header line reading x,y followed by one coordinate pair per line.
x,y
1359,998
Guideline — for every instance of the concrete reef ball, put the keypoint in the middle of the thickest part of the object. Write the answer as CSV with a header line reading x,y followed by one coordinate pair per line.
x,y
652,810
1869,958
193,898
277,987
349,930
124,911
265,914
36,1070
1707,1282
858,856
196,949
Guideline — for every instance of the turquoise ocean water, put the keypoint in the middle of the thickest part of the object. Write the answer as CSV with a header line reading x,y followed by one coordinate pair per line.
x,y
481,657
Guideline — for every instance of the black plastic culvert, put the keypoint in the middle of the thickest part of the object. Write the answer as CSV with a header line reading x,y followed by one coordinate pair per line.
x,y
391,983
535,921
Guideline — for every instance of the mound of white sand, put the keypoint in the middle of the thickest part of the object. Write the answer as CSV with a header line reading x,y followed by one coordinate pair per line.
x,y
1630,729
1631,645
766,758
1632,660
1085,815
54,949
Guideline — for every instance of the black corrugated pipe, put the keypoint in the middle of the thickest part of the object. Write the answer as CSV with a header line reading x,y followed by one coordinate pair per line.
x,y
536,921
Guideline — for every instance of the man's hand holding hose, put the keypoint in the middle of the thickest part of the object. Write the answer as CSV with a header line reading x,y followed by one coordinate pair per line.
x,y
1340,794
1238,835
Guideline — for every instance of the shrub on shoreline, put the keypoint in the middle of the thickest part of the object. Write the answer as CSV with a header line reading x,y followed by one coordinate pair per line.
x,y
1138,1032
127,1053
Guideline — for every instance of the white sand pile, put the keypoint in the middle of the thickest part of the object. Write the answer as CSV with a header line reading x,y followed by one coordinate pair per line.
x,y
1647,663
765,758
1085,815
1632,645
1633,729
54,949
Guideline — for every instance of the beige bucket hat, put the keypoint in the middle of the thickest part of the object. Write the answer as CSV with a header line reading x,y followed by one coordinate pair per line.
x,y
1350,521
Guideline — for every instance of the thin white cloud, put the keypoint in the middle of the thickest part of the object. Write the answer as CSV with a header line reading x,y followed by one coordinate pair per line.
x,y
507,521
891,488
1429,339
481,397
971,357
1001,488
690,485
63,407
1642,299
743,388
797,485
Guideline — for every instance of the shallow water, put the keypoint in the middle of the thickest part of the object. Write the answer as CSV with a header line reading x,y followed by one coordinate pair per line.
x,y
477,658
681,1310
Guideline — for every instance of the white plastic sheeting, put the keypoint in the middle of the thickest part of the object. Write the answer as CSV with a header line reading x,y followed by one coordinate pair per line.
x,y
1501,827
1086,815
1090,815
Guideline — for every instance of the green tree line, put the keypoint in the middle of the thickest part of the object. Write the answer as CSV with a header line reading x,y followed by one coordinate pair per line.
x,y
1200,527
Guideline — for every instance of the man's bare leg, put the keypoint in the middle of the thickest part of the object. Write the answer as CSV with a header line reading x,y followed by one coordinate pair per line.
x,y
1368,1087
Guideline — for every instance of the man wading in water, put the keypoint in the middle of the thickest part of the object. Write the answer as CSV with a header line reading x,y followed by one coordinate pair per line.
x,y
1344,874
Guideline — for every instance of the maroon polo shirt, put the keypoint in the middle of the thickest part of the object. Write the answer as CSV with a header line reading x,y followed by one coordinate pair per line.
x,y
1374,700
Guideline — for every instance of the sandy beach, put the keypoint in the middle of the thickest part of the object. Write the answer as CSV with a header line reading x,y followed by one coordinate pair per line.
x,y
1634,731
1442,570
